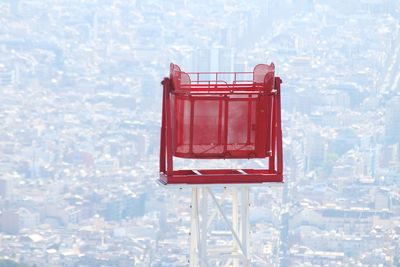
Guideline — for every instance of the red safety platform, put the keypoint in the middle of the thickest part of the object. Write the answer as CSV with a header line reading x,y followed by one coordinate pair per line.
x,y
221,115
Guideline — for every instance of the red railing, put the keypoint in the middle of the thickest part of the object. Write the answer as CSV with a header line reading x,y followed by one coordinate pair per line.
x,y
260,79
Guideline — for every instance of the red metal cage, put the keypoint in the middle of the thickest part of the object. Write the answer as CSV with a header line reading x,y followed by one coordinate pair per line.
x,y
221,115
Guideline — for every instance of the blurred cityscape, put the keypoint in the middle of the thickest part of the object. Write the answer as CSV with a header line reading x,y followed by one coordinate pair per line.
x,y
80,110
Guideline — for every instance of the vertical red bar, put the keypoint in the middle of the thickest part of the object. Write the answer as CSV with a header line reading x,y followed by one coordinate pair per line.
x,y
178,121
220,113
279,153
271,159
226,116
162,133
249,109
191,126
170,166
261,125
268,122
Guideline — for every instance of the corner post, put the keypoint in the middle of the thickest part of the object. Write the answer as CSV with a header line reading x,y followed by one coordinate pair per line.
x,y
163,129
279,128
168,122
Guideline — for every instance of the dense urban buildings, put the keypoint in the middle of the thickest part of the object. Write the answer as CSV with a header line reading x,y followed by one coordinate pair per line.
x,y
80,114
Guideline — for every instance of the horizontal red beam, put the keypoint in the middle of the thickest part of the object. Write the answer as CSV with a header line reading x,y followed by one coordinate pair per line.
x,y
221,176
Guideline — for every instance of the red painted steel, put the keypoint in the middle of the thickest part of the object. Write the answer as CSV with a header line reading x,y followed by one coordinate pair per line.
x,y
221,115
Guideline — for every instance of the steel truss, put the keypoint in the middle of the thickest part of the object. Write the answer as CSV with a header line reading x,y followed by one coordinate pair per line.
x,y
236,253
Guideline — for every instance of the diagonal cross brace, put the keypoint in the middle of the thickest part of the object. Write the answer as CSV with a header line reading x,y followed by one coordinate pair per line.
x,y
226,221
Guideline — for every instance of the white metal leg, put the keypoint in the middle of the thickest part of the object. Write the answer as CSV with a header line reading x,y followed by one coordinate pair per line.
x,y
193,230
244,231
235,221
203,230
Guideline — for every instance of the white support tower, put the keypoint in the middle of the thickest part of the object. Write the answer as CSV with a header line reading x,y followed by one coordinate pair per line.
x,y
205,248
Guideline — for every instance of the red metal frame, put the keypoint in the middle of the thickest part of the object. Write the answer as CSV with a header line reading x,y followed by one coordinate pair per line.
x,y
205,118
